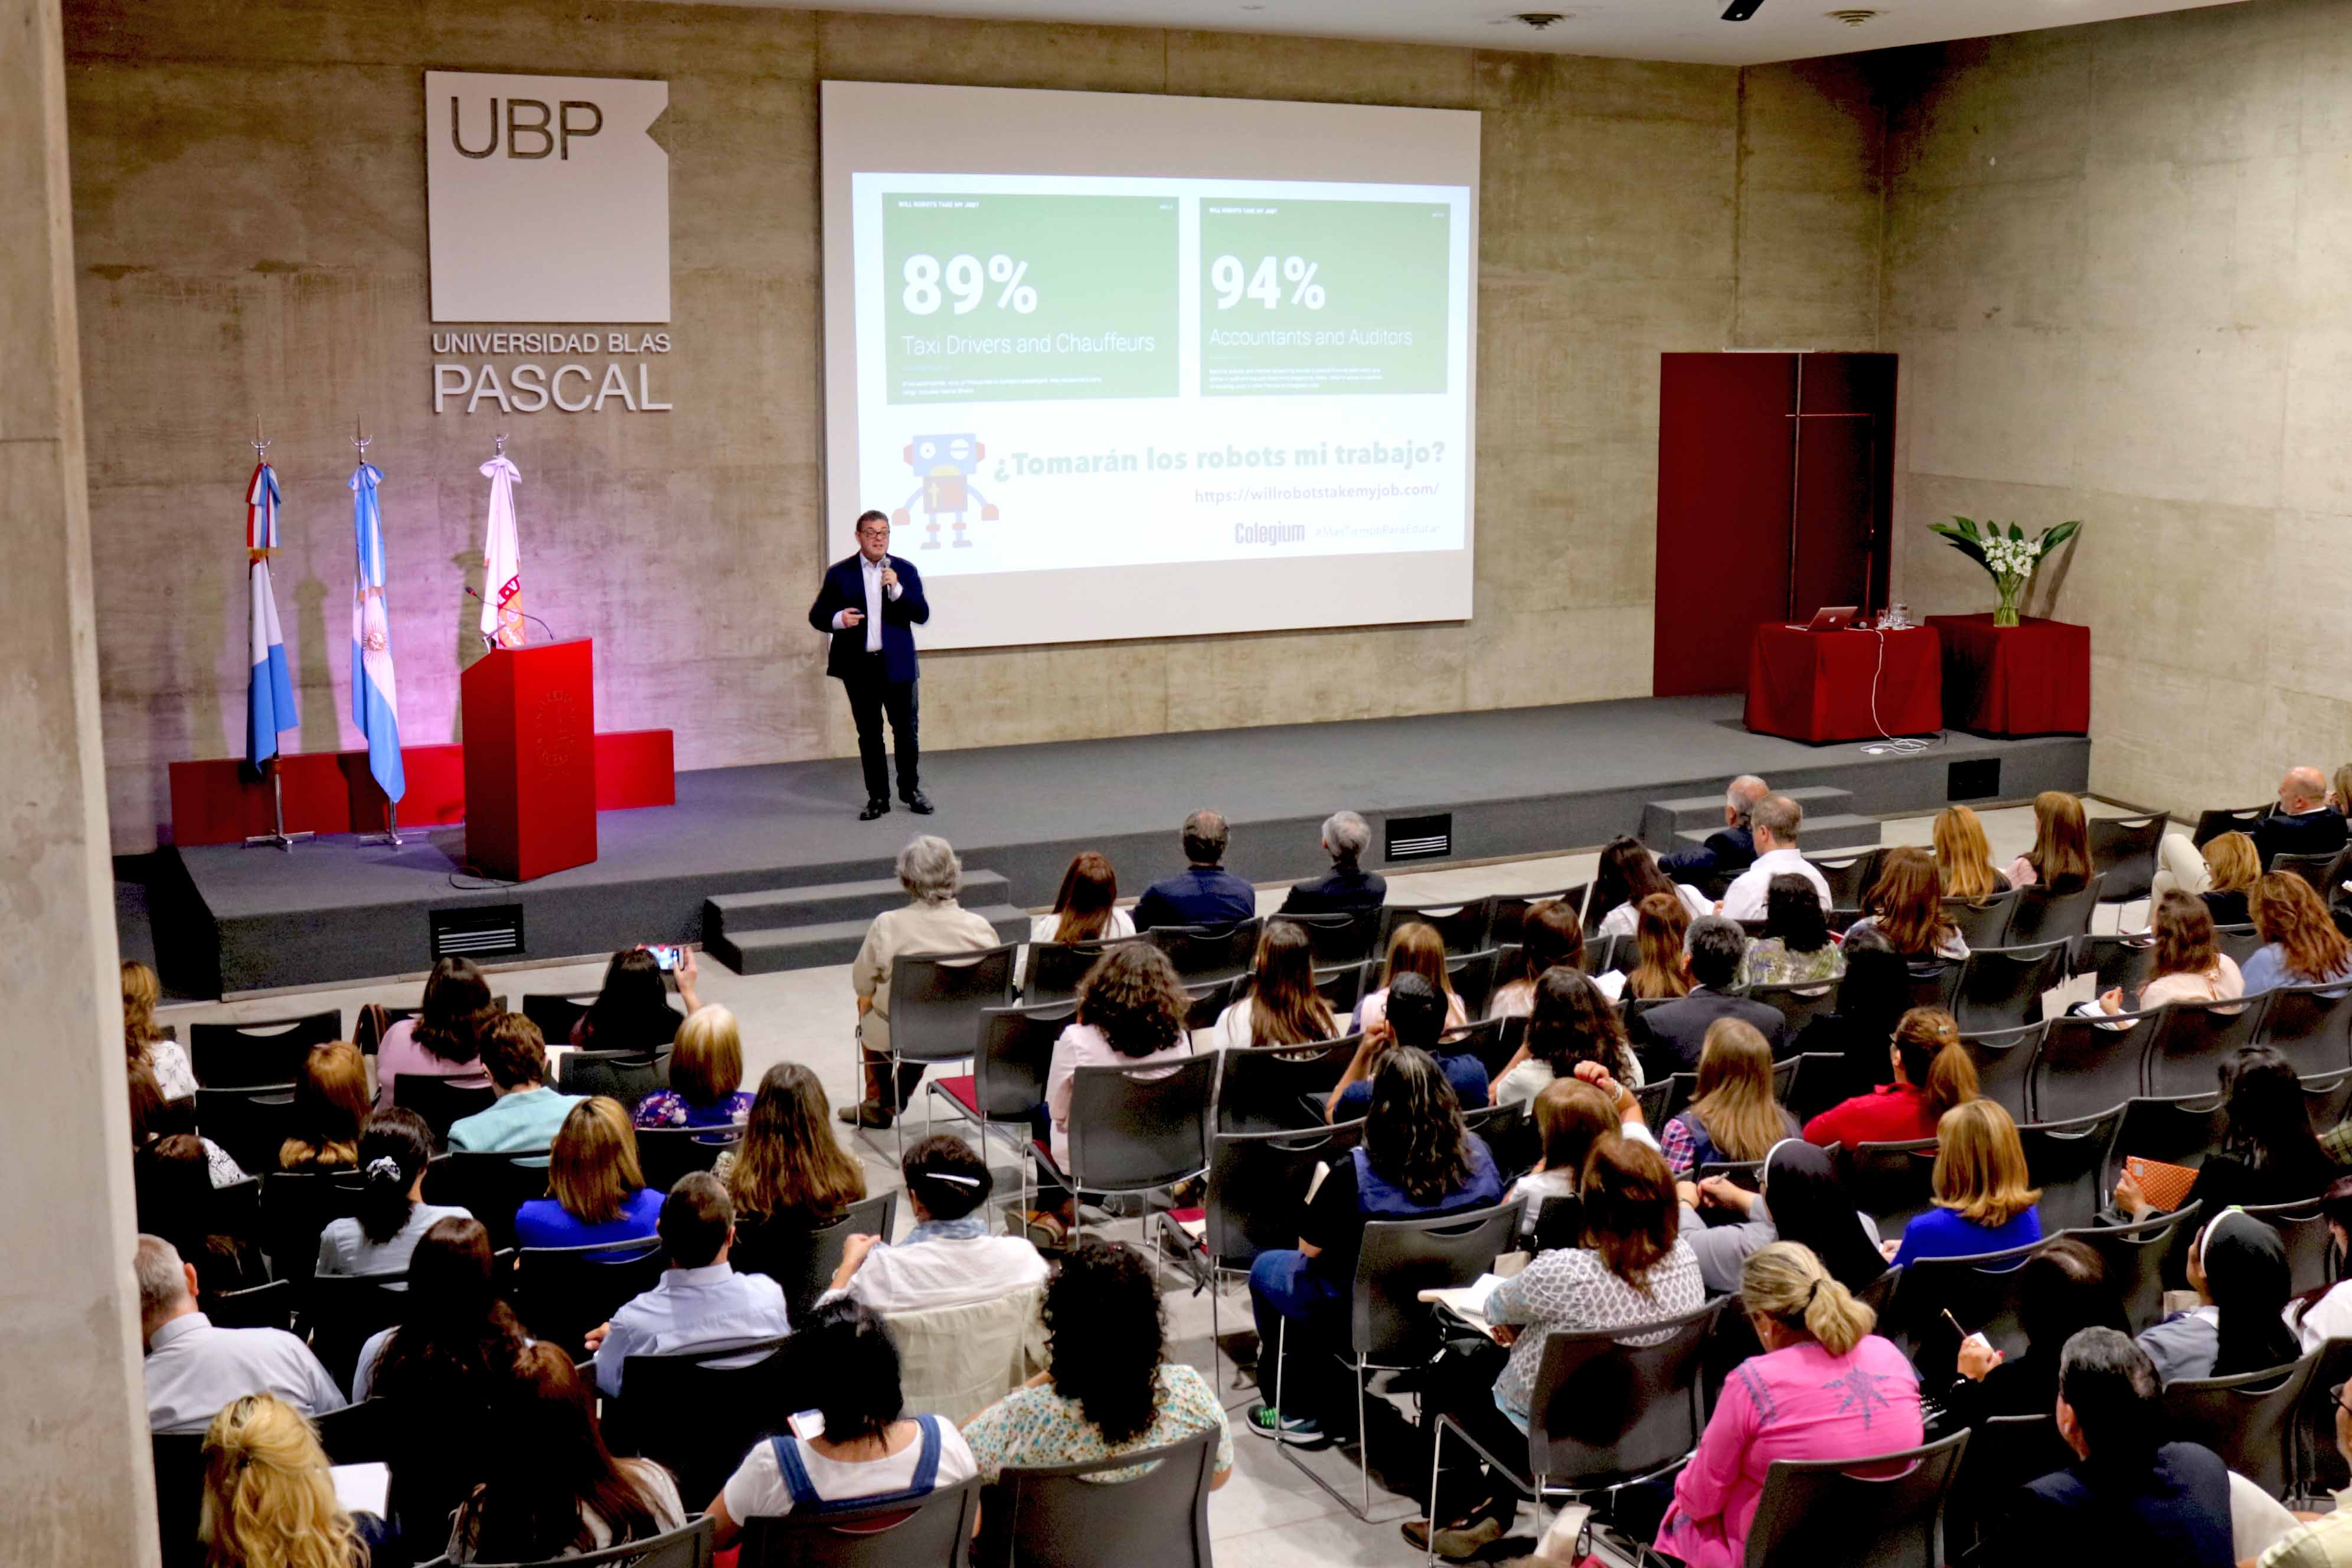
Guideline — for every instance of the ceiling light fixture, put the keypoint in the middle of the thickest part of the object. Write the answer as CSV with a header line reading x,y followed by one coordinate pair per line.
x,y
1538,20
1850,19
1741,10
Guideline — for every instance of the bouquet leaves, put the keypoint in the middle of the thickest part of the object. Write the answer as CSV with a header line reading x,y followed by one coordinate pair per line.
x,y
2007,557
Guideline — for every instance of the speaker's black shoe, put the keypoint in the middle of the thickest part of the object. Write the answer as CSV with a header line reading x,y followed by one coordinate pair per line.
x,y
874,808
918,803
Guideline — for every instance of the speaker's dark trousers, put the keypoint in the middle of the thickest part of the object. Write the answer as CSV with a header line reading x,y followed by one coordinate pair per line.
x,y
872,695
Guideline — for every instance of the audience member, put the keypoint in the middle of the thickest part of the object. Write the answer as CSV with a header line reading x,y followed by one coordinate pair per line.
x,y
1627,874
1983,1200
193,1368
392,1214
1413,949
948,1259
2302,823
699,1303
2325,1313
1551,937
445,1039
1111,1388
2188,965
1669,1036
1874,994
2238,1267
143,1042
557,1490
706,1076
150,1117
596,1190
455,1337
1795,949
1631,1269
2268,1153
1282,1006
1933,1073
331,1103
931,921
1963,859
270,1498
632,1010
2060,861
2325,1541
1415,1021
2221,874
526,1112
1085,907
2301,945
1130,1011
1825,1388
1570,1022
1800,1199
1204,893
2063,1287
790,1173
864,1452
1776,821
1349,890
1730,850
174,1179
1415,1160
1733,1117
1661,931
1571,1115
1907,905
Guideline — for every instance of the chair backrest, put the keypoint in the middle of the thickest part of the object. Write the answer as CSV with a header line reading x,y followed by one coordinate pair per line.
x,y
2083,1066
1463,926
2310,1250
801,1259
1799,1004
1603,953
1849,875
1340,939
440,1101
266,1051
2243,1418
2135,1257
2312,869
1784,1077
936,1532
1402,1258
562,1292
2043,916
2123,851
1258,1188
1680,1089
1982,1292
1652,1098
1269,1089
2329,1096
1056,1518
361,1434
667,1153
1511,911
1559,1222
1016,1047
2002,987
1983,923
2008,1452
2192,1040
1820,1085
1509,1133
2003,1057
689,1546
1209,953
250,1122
489,1186
1891,1183
2214,821
696,1414
2121,963
2319,1468
556,1014
268,1305
1136,1129
1606,1409
1210,997
2239,942
2067,1160
343,1310
1472,976
625,1076
295,1205
2311,1026
2175,1132
1933,981
1054,968
1482,1039
936,1000
179,1496
1837,1510
1343,987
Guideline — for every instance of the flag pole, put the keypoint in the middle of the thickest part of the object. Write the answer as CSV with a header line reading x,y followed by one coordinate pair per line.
x,y
391,834
276,838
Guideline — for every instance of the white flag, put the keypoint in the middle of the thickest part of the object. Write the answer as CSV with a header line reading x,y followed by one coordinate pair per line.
x,y
502,559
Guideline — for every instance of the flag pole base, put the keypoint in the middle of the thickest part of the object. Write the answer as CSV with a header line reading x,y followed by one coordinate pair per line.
x,y
278,838
391,834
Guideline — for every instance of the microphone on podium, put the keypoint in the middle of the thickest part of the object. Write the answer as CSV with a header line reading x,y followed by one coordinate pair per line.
x,y
488,641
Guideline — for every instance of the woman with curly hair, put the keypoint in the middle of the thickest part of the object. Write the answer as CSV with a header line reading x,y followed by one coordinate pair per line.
x,y
143,1042
1571,1022
1111,1387
268,1499
2301,945
1130,1011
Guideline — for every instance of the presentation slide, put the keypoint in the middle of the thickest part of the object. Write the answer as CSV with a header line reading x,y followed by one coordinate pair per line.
x,y
1126,366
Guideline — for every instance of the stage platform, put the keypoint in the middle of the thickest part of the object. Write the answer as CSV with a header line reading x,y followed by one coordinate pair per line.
x,y
1517,781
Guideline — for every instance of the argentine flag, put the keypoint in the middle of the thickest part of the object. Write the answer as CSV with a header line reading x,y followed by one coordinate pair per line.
x,y
375,706
269,689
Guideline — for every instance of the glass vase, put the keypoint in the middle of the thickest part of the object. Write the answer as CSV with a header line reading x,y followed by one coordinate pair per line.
x,y
2012,590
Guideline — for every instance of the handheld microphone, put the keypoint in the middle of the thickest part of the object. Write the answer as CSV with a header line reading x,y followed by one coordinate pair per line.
x,y
488,641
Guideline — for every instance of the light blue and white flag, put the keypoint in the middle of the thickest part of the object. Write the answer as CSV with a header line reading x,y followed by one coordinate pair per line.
x,y
375,702
270,688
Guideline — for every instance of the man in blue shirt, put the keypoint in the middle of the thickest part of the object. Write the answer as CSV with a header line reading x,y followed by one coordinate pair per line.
x,y
1204,893
527,1113
699,1303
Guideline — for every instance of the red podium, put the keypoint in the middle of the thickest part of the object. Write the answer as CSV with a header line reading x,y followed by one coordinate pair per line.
x,y
530,760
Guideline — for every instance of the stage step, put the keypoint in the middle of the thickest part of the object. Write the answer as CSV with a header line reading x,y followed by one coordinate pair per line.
x,y
1666,820
1821,834
808,928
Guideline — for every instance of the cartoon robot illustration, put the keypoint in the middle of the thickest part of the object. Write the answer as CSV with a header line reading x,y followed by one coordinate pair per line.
x,y
945,464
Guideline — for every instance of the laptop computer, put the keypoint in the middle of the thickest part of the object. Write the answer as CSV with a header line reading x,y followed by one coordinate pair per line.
x,y
1831,619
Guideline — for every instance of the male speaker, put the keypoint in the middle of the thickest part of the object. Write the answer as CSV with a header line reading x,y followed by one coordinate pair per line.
x,y
872,602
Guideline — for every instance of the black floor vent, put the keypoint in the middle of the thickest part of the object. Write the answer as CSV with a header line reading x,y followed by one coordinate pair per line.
x,y
1975,780
1420,837
479,931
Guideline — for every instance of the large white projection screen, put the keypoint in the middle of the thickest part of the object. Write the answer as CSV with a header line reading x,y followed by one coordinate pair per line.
x,y
1128,366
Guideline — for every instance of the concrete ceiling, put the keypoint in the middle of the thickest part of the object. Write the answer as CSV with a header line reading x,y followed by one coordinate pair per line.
x,y
1690,30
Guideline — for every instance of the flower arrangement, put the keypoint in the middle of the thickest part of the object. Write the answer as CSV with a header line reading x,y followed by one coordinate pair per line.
x,y
2011,559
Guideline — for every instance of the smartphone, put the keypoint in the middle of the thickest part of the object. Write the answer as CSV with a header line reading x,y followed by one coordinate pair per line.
x,y
666,957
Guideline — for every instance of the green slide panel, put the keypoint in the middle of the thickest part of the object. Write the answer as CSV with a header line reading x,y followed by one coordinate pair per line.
x,y
1311,298
1029,298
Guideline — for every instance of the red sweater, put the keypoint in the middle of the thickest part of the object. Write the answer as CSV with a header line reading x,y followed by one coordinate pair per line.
x,y
1891,1113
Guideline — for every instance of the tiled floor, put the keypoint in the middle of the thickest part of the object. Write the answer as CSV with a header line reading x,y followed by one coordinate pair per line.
x,y
1267,1516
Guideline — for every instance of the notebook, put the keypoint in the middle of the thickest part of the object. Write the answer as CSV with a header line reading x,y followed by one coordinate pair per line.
x,y
2166,1187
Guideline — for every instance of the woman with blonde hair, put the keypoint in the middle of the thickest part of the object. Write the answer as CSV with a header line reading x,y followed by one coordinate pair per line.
x,y
596,1189
1413,949
1733,1116
331,1105
706,1076
1661,925
1282,1006
1983,1199
2060,860
2231,868
144,1043
2301,945
789,1170
1933,1072
1963,859
1906,906
1825,1388
270,1499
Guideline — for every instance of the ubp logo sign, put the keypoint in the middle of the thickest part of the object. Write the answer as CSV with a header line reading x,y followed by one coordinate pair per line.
x,y
547,201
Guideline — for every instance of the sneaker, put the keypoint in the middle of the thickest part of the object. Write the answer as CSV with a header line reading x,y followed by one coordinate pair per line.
x,y
1268,1422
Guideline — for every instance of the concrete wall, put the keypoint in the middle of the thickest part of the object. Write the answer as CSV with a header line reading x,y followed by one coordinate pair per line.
x,y
248,206
74,1477
2118,269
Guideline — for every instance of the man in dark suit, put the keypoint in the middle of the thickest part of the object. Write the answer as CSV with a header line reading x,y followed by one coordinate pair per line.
x,y
1349,889
871,603
1204,893
1725,853
2303,822
1669,1036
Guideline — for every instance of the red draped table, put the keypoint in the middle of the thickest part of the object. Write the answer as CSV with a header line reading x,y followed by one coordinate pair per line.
x,y
1819,686
2031,678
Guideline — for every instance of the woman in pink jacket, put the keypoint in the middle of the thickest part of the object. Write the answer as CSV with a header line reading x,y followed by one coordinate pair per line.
x,y
1825,1388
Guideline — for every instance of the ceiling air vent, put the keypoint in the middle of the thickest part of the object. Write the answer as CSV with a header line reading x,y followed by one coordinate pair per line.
x,y
1420,837
478,930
